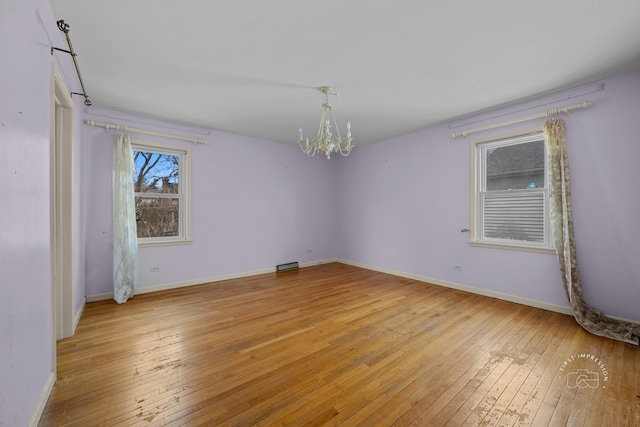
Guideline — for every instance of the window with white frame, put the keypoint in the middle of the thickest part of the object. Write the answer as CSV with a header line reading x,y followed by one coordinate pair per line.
x,y
161,187
511,198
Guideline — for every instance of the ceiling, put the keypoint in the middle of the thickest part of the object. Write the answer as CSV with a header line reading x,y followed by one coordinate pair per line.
x,y
253,67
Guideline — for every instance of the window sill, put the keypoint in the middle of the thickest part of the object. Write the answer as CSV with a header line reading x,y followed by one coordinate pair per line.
x,y
164,243
513,247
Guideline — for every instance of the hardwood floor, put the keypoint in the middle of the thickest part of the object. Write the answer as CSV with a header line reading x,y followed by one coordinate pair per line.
x,y
337,345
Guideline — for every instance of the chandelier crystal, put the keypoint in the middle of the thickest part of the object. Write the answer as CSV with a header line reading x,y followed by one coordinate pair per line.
x,y
325,142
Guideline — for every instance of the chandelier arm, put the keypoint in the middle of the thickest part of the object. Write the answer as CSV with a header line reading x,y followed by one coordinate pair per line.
x,y
346,151
335,124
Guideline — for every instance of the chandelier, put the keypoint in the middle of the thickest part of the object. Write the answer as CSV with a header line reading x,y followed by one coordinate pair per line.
x,y
325,141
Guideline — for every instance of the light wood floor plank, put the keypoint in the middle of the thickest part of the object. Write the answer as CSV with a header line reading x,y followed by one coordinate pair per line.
x,y
333,345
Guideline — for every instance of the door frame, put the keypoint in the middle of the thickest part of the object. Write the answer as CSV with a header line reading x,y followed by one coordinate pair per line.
x,y
62,207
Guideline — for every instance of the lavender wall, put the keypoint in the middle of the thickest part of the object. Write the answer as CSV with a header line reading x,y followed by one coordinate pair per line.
x,y
255,204
26,330
401,207
404,201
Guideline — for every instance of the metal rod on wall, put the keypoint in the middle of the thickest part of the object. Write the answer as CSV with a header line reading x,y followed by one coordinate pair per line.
x,y
109,126
549,113
64,27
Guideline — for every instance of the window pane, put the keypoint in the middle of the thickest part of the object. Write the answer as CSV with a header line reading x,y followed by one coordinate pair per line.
x,y
157,216
514,216
515,166
155,172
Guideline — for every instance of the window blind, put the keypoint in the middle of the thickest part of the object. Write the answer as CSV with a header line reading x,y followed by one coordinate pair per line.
x,y
514,215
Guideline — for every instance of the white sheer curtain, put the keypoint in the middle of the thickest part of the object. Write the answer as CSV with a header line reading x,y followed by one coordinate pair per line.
x,y
125,239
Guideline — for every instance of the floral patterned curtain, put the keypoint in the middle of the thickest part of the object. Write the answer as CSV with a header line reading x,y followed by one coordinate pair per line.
x,y
562,222
125,236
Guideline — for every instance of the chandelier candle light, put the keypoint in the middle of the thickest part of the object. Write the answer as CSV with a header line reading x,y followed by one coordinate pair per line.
x,y
325,142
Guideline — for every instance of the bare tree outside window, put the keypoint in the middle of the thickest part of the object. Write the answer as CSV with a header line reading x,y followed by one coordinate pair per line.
x,y
157,192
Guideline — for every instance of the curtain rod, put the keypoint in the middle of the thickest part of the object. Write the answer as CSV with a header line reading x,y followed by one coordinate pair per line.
x,y
64,27
109,126
549,113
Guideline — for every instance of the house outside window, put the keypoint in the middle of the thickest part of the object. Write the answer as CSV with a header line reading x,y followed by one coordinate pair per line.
x,y
510,197
161,187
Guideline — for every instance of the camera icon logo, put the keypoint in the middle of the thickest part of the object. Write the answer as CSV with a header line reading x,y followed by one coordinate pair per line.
x,y
583,378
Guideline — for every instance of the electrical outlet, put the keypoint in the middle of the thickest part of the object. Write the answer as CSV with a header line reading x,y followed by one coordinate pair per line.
x,y
457,267
155,269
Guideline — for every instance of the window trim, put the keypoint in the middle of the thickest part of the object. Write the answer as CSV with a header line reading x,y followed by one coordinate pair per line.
x,y
184,151
475,186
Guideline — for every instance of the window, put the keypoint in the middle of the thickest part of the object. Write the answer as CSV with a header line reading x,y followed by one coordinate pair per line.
x,y
161,186
510,195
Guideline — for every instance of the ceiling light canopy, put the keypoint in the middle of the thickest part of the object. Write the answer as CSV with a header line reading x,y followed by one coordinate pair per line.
x,y
325,142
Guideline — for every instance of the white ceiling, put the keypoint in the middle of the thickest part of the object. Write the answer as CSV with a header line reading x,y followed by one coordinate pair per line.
x,y
252,67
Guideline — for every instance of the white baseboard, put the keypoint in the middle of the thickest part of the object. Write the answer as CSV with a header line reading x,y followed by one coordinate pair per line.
x,y
100,297
201,281
78,316
320,262
471,289
622,319
42,402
